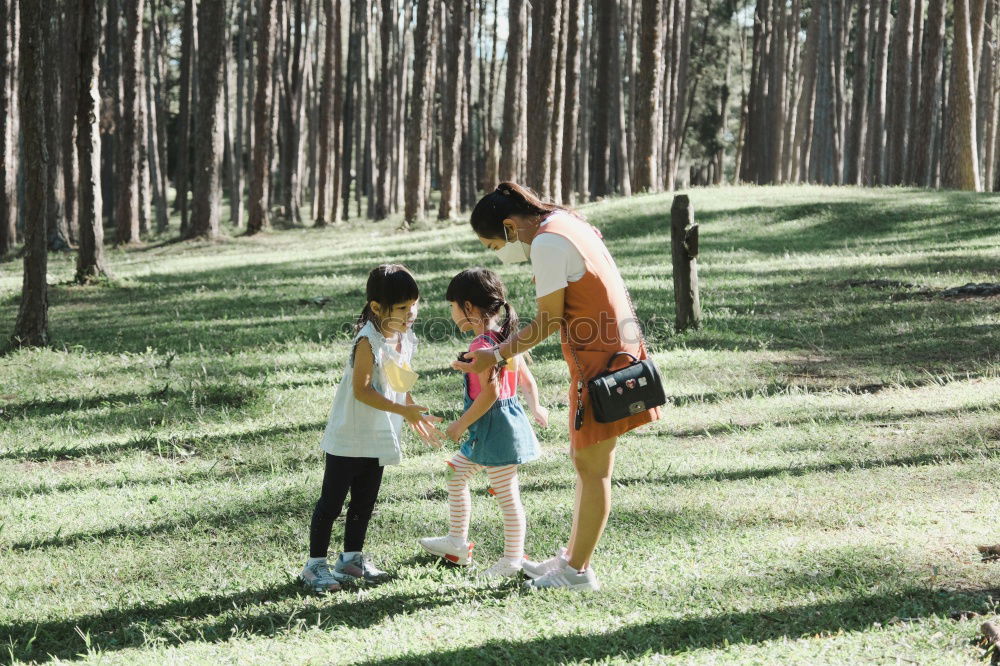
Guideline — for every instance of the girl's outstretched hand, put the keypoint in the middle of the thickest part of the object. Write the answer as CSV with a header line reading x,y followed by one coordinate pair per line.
x,y
454,432
428,431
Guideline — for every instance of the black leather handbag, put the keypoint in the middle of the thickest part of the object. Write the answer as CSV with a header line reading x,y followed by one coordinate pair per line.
x,y
618,394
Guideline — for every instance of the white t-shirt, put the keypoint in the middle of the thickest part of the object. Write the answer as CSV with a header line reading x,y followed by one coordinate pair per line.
x,y
555,262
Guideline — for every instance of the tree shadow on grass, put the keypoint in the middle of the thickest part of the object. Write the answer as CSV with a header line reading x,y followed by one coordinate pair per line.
x,y
204,619
678,635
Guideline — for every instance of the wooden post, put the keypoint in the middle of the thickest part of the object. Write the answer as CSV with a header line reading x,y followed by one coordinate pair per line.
x,y
684,251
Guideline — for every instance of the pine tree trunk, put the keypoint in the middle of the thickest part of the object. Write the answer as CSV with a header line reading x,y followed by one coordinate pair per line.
x,y
558,110
959,168
897,125
451,99
424,42
512,111
541,97
776,96
70,47
324,191
290,103
127,205
236,177
8,150
859,101
648,96
351,110
931,73
205,204
916,79
260,176
188,47
573,94
31,327
874,154
384,113
605,40
58,230
584,132
623,176
90,262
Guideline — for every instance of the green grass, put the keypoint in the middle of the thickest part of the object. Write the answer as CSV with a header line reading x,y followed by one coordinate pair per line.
x,y
815,494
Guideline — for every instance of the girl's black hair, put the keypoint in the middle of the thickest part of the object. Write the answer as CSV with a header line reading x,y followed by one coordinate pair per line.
x,y
507,200
388,285
483,289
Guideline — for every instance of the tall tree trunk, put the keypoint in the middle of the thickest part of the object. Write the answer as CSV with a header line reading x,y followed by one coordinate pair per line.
x,y
960,166
70,46
205,205
8,149
127,206
424,42
559,103
57,228
90,262
623,176
451,100
236,178
584,131
326,94
260,176
512,111
916,78
32,326
571,125
384,114
290,103
352,108
648,95
899,101
755,164
822,156
153,122
188,47
931,73
541,98
859,102
606,40
875,149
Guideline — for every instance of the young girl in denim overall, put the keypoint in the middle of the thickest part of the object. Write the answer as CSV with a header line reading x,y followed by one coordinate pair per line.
x,y
364,429
500,437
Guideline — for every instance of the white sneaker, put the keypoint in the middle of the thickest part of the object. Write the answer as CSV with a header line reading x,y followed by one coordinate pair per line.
x,y
319,577
504,568
451,549
566,577
536,569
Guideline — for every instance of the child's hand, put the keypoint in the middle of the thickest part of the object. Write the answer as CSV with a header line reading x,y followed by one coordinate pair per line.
x,y
455,432
413,413
428,431
541,415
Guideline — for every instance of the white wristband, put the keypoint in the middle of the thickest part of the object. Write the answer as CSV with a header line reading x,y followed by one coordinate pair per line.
x,y
497,355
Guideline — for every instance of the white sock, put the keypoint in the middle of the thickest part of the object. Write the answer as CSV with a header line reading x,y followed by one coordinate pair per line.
x,y
346,556
315,560
514,561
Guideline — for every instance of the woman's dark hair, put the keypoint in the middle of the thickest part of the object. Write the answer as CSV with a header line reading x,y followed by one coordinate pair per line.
x,y
388,285
507,200
483,289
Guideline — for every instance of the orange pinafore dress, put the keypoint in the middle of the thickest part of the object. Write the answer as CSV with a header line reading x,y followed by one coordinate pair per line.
x,y
598,323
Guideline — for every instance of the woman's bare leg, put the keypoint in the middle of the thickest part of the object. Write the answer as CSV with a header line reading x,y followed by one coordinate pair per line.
x,y
594,465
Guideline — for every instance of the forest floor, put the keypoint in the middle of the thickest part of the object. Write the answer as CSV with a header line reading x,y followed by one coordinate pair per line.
x,y
814,494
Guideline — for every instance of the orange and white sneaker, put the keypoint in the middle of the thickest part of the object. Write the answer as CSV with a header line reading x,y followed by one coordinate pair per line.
x,y
450,548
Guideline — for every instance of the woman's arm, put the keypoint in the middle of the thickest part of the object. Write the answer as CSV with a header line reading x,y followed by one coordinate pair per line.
x,y
529,388
486,398
545,323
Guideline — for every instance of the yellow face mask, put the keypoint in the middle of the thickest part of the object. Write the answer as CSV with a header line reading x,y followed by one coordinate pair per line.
x,y
401,376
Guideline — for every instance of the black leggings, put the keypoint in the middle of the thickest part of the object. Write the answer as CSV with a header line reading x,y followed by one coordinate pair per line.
x,y
362,477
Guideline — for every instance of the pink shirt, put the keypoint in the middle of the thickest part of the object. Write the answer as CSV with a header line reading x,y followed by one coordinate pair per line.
x,y
508,379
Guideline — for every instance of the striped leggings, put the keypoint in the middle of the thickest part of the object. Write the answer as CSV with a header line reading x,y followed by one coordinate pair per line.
x,y
504,486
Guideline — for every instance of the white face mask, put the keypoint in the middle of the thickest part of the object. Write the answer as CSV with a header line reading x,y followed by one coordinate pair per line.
x,y
513,251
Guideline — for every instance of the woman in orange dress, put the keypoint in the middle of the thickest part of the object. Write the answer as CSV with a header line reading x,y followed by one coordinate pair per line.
x,y
580,292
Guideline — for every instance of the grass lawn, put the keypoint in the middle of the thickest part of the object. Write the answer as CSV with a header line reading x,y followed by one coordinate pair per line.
x,y
814,495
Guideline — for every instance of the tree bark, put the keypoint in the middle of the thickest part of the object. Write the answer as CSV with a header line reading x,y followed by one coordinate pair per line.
x,y
205,205
32,327
859,102
931,73
8,150
573,95
188,47
70,47
541,94
606,39
58,229
90,262
424,42
899,101
558,111
874,155
451,100
326,122
647,119
260,177
512,110
959,170
237,176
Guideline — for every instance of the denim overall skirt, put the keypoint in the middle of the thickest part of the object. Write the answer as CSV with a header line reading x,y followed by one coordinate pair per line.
x,y
501,436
